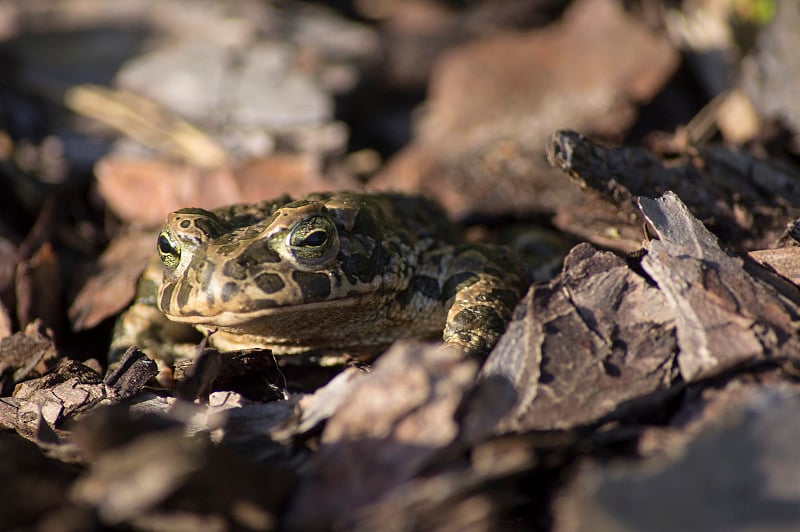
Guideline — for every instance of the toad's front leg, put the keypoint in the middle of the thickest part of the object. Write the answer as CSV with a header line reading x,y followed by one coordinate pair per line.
x,y
483,285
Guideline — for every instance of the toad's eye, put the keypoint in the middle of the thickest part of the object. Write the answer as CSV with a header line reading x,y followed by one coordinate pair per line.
x,y
313,240
316,238
169,249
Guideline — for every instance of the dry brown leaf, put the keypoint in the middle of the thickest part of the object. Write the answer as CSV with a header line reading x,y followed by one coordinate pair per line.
x,y
112,288
145,191
38,288
493,102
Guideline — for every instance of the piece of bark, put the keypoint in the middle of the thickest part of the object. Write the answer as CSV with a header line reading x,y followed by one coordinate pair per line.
x,y
584,345
255,373
70,388
261,431
318,407
745,201
41,406
703,408
783,261
723,316
199,378
484,494
23,354
130,375
741,473
393,423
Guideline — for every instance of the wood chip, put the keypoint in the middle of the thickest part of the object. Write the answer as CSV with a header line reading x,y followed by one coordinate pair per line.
x,y
723,316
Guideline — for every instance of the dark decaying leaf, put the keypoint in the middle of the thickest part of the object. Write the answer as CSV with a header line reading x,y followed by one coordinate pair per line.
x,y
38,288
162,475
32,486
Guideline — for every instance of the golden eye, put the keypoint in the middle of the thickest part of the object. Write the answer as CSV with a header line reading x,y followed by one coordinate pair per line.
x,y
313,239
169,249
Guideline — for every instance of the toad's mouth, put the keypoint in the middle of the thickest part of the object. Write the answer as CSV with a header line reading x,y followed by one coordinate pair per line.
x,y
231,318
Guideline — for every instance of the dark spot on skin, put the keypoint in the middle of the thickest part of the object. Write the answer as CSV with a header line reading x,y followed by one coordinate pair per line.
x,y
166,295
456,283
206,226
206,274
184,291
185,224
235,270
251,232
380,259
435,258
315,286
364,266
480,318
259,252
493,272
228,291
227,249
269,283
365,224
250,260
427,286
611,369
